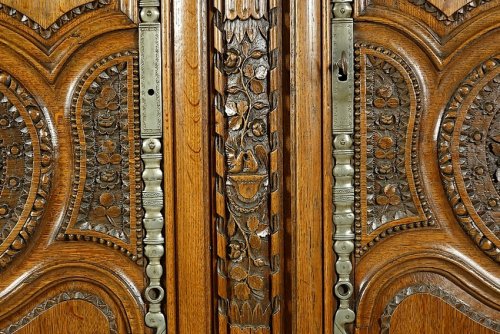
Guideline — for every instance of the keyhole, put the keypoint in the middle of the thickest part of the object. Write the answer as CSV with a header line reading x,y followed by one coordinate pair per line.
x,y
151,92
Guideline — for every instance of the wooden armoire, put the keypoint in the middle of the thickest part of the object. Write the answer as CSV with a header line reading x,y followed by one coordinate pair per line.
x,y
250,166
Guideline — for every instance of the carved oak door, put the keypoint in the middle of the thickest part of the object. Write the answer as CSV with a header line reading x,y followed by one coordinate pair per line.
x,y
72,257
426,160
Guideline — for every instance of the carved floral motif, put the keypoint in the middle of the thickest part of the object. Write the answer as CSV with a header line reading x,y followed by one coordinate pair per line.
x,y
389,115
107,147
469,155
246,145
26,163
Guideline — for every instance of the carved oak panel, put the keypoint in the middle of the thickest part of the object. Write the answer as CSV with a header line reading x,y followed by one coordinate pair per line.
x,y
61,298
70,167
106,203
390,197
469,155
56,13
440,293
26,161
247,166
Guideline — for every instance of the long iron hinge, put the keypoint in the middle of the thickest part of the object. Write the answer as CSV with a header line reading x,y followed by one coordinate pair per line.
x,y
151,134
343,171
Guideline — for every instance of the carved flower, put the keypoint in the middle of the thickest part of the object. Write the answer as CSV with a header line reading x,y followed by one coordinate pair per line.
x,y
13,183
386,120
107,123
236,251
15,150
384,98
108,209
390,197
5,121
258,128
488,108
232,61
384,168
4,211
108,155
108,98
384,145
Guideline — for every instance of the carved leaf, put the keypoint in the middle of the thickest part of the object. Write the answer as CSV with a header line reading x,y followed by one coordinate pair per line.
x,y
256,282
238,273
255,241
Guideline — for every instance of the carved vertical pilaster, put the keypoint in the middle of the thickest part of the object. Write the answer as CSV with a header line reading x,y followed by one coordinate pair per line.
x,y
343,152
151,133
248,165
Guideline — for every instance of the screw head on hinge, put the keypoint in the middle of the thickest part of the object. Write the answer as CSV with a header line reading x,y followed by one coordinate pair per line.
x,y
342,10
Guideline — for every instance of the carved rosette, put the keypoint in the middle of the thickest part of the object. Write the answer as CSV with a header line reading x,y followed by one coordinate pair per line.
x,y
105,206
247,166
469,155
26,166
388,111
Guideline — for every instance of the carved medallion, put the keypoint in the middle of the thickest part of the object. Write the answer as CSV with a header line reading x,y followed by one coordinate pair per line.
x,y
469,155
47,22
387,117
106,201
248,181
26,161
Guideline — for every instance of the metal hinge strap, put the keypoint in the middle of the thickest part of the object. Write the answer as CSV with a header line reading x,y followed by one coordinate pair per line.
x,y
343,171
151,134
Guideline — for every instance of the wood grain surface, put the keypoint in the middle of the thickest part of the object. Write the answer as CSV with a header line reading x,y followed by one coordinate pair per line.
x,y
77,95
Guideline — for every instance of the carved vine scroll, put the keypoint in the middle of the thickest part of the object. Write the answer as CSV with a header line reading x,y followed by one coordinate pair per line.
x,y
469,155
248,180
26,166
106,202
387,117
